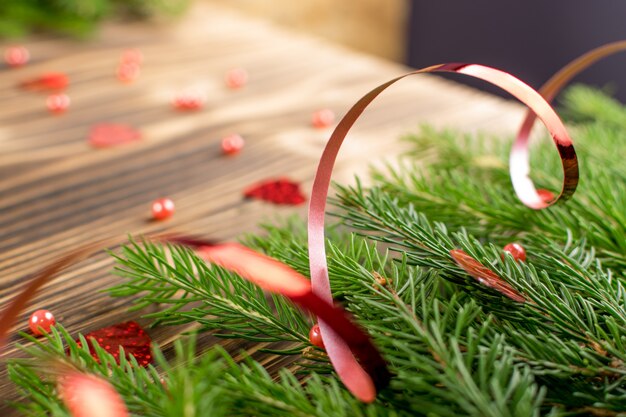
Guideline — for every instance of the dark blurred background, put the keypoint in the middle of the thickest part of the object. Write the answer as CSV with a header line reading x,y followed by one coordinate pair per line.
x,y
531,39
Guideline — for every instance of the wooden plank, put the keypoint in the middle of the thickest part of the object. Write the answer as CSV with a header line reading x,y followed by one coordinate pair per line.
x,y
57,193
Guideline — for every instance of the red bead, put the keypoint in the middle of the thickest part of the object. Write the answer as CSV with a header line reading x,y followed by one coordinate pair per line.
x,y
232,144
127,72
323,118
315,336
41,320
162,208
236,78
132,56
545,195
16,56
517,251
189,101
58,103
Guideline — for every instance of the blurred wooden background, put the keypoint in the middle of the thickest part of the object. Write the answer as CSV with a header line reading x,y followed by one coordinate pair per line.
x,y
373,26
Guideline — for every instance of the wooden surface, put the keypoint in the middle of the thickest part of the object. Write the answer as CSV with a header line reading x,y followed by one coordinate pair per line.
x,y
56,192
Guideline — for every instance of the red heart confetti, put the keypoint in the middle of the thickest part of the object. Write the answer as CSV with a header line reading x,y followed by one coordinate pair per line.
x,y
51,81
128,335
106,135
281,191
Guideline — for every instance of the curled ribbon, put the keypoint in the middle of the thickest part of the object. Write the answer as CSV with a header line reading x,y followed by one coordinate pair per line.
x,y
519,152
357,379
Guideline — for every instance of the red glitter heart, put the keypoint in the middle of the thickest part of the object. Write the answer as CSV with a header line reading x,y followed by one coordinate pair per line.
x,y
128,335
281,191
106,135
52,81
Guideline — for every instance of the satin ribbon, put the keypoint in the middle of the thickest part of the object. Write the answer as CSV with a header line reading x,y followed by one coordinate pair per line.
x,y
355,378
519,152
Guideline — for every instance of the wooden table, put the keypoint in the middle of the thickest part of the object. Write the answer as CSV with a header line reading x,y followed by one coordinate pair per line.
x,y
56,192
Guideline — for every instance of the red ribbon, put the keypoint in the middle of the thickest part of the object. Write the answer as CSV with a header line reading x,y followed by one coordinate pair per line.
x,y
356,379
519,152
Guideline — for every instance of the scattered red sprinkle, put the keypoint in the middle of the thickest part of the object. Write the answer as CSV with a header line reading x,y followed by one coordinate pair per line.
x,y
323,118
127,72
52,81
485,275
516,250
41,320
189,101
236,78
162,208
546,195
315,336
132,56
128,335
16,56
108,134
232,144
281,191
58,103
90,396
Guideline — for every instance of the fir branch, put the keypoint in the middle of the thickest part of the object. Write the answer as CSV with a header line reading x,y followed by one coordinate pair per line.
x,y
193,292
212,384
140,387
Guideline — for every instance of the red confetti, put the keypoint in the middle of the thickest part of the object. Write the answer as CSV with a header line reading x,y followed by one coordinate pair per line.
x,y
16,56
236,78
108,134
323,118
58,103
516,250
90,396
52,81
232,144
128,335
41,320
281,191
485,275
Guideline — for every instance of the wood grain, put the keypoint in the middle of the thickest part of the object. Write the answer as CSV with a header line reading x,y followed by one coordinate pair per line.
x,y
57,193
